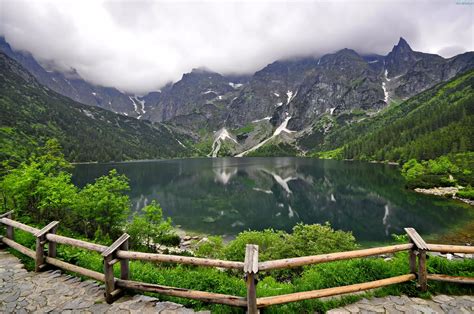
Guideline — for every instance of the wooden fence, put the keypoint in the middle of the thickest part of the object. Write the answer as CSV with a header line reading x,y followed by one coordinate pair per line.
x,y
118,253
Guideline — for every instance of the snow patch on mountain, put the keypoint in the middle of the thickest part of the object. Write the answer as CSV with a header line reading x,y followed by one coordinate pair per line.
x,y
281,128
220,136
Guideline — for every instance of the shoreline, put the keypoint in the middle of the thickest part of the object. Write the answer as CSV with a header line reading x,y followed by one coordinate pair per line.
x,y
449,192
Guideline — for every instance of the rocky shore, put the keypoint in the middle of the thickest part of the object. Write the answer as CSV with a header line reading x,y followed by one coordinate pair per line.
x,y
449,191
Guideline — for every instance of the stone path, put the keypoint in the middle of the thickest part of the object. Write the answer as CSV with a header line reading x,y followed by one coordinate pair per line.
x,y
404,304
51,291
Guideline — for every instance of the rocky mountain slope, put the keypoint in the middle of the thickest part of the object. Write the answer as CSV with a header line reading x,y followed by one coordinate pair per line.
x,y
295,102
73,86
29,110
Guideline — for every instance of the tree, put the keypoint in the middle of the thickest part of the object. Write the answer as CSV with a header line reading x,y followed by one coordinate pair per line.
x,y
102,207
149,228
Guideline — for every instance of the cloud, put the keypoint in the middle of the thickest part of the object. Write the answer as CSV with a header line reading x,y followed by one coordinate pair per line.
x,y
138,46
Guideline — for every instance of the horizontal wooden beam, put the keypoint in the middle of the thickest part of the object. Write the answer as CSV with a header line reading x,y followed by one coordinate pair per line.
x,y
77,243
179,259
6,214
19,225
443,248
300,296
75,269
20,248
183,293
324,258
454,279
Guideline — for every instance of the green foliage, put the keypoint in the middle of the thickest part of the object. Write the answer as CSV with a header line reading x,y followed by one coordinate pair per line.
x,y
211,248
330,154
443,171
274,150
150,228
102,206
30,112
304,240
467,192
433,123
245,129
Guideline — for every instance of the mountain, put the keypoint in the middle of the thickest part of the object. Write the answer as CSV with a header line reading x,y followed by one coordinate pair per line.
x,y
433,123
87,133
73,86
297,102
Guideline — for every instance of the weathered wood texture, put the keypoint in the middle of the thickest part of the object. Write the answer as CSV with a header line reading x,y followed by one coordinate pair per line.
x,y
75,269
184,293
251,270
20,248
299,296
443,248
7,214
46,229
76,243
109,260
324,258
454,279
422,271
180,259
19,225
416,238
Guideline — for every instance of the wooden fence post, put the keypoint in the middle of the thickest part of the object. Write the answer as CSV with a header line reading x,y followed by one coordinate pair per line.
x,y
110,259
421,247
40,242
9,233
251,270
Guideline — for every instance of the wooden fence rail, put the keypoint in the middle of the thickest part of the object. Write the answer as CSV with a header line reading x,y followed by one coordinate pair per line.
x,y
118,253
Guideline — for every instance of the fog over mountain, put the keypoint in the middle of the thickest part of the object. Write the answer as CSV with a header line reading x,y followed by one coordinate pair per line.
x,y
139,46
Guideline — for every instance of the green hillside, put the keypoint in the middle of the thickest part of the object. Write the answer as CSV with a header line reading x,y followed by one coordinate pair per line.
x,y
436,122
30,112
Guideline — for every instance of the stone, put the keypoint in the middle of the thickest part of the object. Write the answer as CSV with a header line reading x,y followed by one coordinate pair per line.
x,y
352,308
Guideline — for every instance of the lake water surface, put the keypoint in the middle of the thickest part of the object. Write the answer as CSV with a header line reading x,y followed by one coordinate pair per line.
x,y
224,196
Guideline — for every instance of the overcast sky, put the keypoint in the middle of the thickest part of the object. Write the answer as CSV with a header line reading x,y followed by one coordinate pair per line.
x,y
138,46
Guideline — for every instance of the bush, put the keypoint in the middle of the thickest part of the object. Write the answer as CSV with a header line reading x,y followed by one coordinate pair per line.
x,y
467,192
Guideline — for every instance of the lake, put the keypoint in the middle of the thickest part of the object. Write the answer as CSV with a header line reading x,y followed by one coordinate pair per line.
x,y
224,196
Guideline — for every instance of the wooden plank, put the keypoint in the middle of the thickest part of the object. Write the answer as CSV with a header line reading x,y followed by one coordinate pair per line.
x,y
251,270
412,261
77,243
442,248
39,256
46,229
324,258
109,279
164,258
19,225
454,279
124,263
416,238
115,246
20,248
300,296
184,293
251,259
52,246
75,269
7,214
422,271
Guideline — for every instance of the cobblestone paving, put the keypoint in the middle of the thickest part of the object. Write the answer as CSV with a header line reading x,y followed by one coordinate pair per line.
x,y
404,304
52,292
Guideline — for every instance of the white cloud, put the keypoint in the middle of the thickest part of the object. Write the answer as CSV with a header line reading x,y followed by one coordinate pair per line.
x,y
139,46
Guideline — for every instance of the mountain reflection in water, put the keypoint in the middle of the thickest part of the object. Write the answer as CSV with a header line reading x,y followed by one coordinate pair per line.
x,y
227,195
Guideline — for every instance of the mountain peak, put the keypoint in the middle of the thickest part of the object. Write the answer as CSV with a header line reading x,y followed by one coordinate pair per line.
x,y
402,46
